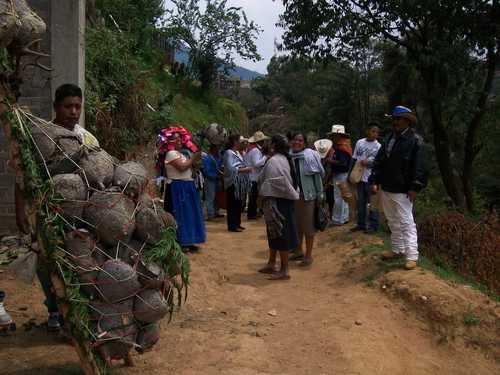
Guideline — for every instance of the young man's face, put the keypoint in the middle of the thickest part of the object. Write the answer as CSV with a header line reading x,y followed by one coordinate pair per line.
x,y
372,134
68,111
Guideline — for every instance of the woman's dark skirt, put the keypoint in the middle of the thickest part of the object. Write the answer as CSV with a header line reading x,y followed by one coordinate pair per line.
x,y
289,239
182,200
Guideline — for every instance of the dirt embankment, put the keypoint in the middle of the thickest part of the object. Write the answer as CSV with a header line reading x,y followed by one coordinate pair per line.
x,y
453,312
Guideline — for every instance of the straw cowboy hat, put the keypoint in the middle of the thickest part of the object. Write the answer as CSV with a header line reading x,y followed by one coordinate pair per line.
x,y
338,129
243,139
404,112
323,146
257,137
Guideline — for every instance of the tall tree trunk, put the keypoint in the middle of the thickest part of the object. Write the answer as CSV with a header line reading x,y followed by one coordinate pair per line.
x,y
451,180
471,146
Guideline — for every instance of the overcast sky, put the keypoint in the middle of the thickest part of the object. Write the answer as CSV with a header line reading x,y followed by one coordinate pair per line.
x,y
265,13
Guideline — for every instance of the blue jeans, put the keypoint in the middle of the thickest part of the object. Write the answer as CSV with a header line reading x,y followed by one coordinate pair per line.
x,y
363,189
340,207
210,191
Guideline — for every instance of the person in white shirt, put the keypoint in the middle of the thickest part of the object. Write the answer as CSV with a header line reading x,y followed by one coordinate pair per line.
x,y
68,103
68,106
255,159
182,199
364,153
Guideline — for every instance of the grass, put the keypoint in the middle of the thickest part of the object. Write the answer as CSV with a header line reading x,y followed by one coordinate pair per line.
x,y
376,248
435,265
382,268
471,319
197,112
194,108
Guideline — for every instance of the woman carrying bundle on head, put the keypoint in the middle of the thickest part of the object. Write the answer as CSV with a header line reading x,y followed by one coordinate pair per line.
x,y
182,199
236,182
278,188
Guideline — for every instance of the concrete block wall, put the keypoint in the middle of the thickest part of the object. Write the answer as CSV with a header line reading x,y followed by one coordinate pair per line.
x,y
64,41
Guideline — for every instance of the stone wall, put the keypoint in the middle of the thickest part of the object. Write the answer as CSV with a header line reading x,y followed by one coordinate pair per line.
x,y
7,179
64,41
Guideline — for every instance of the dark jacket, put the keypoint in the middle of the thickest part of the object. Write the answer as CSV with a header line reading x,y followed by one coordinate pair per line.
x,y
404,169
344,160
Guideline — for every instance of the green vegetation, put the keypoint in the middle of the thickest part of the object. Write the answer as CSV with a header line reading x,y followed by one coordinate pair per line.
x,y
167,253
439,57
214,36
435,265
130,92
471,319
375,248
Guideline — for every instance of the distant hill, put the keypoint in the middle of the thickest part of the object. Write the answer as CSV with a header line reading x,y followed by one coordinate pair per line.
x,y
245,74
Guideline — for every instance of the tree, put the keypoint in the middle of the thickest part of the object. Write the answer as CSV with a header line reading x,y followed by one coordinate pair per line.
x,y
318,95
213,36
137,18
453,45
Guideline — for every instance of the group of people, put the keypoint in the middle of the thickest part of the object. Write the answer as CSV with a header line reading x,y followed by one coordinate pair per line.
x,y
285,179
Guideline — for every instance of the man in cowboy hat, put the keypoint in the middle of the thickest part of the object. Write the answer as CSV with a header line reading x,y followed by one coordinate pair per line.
x,y
323,146
399,173
255,159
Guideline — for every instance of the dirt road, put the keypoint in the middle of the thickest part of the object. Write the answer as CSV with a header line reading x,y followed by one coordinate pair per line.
x,y
322,321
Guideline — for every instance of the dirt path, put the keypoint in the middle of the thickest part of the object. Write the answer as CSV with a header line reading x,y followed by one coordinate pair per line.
x,y
326,322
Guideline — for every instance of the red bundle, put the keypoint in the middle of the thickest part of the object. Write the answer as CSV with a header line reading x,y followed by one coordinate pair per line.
x,y
165,137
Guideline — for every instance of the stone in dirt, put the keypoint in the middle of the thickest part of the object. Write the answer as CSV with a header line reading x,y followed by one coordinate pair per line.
x,y
131,177
98,168
71,188
10,240
272,313
111,216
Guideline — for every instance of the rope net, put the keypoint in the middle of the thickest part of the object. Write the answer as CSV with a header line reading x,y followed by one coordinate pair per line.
x,y
113,246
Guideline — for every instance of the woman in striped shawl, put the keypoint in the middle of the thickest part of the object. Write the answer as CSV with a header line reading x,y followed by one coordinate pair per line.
x,y
236,183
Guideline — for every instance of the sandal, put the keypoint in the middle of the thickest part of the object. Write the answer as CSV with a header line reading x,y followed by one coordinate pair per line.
x,y
306,262
268,270
279,276
296,256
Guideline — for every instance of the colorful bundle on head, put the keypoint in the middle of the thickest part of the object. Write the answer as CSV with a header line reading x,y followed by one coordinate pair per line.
x,y
166,136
